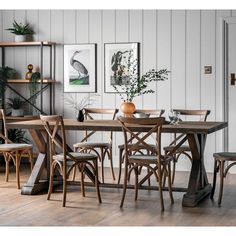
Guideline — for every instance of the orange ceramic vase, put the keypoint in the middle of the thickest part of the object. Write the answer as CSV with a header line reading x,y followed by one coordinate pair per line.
x,y
128,108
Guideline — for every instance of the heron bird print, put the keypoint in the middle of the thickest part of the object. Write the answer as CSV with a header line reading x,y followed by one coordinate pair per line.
x,y
79,73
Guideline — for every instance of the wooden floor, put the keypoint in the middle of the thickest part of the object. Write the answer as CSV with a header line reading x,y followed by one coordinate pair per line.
x,y
25,210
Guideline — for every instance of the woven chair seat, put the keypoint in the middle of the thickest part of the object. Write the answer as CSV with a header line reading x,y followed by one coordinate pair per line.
x,y
183,148
227,156
78,156
91,145
14,146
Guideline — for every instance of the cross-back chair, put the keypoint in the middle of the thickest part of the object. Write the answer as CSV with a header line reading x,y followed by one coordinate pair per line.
x,y
221,158
64,160
198,115
151,113
157,164
102,149
13,151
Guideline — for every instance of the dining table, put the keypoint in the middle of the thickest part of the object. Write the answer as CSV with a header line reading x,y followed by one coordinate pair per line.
x,y
195,133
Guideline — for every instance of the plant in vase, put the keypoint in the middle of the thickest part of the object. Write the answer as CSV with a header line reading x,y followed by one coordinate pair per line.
x,y
23,32
134,85
80,105
16,105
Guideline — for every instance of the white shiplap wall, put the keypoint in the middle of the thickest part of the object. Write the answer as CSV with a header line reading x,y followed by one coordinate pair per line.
x,y
183,41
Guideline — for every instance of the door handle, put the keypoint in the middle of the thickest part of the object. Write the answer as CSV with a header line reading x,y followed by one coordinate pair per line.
x,y
232,79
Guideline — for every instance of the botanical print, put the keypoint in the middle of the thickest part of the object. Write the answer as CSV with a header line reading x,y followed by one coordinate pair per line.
x,y
121,63
80,68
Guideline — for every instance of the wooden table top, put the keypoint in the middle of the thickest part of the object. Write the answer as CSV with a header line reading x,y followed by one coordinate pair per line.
x,y
113,125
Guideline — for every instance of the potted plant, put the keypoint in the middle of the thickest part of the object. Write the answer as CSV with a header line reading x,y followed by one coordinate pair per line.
x,y
17,136
16,104
79,106
136,86
23,32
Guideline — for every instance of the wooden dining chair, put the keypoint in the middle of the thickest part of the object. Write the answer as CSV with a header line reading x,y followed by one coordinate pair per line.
x,y
13,151
141,148
102,149
198,115
64,160
222,158
158,165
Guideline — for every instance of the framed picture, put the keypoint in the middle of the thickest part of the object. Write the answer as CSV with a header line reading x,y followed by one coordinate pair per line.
x,y
121,64
80,68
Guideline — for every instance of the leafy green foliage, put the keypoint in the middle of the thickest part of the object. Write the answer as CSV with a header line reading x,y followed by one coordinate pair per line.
x,y
15,103
136,85
17,136
20,29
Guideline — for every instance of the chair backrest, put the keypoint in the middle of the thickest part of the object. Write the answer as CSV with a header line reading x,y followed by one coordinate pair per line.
x,y
154,126
54,126
202,114
90,114
152,112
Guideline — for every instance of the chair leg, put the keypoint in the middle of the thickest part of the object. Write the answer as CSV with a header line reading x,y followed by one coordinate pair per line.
x,y
109,152
50,187
7,160
160,188
82,179
124,185
170,183
18,157
96,181
102,166
31,159
173,171
74,173
221,181
136,183
120,165
64,186
214,179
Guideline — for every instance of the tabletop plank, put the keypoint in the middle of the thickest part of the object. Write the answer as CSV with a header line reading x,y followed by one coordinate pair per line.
x,y
114,125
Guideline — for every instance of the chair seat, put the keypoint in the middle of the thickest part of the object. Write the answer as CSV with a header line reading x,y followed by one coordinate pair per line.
x,y
77,155
10,147
227,156
91,145
149,159
183,148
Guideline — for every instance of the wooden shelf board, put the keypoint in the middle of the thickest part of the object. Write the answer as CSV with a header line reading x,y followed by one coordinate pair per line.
x,y
21,118
12,44
26,81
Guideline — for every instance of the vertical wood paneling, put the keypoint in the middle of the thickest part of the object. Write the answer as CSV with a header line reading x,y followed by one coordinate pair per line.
x,y
57,36
149,53
135,35
208,81
178,60
163,52
193,75
69,35
108,36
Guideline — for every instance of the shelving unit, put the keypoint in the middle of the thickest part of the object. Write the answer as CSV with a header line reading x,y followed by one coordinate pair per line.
x,y
44,83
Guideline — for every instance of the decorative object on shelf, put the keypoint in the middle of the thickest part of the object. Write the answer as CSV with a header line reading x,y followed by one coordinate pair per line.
x,y
23,32
80,68
28,75
79,106
118,60
16,104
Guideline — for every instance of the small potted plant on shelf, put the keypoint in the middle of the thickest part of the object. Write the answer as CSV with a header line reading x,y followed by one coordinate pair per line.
x,y
16,105
23,32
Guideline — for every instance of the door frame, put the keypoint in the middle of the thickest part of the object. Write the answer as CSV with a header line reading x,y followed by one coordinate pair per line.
x,y
225,74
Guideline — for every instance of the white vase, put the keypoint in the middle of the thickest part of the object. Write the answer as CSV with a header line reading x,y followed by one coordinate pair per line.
x,y
20,38
17,112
